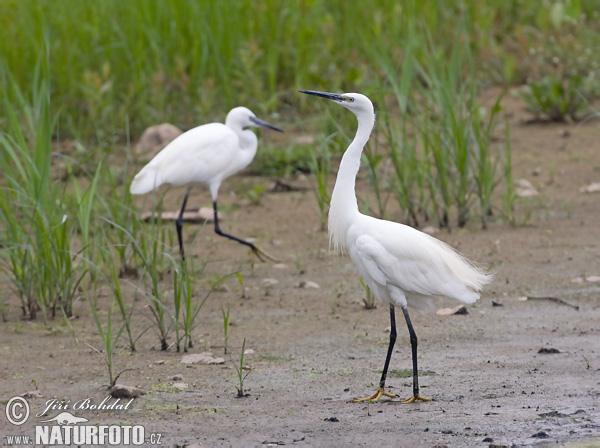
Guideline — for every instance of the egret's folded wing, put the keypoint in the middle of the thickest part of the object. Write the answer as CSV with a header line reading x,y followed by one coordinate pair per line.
x,y
197,155
398,267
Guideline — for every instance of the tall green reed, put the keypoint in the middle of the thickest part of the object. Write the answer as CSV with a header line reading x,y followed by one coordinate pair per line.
x,y
40,225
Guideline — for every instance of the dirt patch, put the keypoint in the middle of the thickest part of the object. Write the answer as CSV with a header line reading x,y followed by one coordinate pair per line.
x,y
492,374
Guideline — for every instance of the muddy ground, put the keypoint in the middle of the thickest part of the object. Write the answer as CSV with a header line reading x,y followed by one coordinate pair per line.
x,y
314,349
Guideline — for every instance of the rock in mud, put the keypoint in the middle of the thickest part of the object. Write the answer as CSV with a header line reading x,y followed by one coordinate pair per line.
x,y
548,351
431,230
123,391
591,188
307,284
460,309
540,435
196,215
269,282
32,394
178,377
202,358
525,189
156,138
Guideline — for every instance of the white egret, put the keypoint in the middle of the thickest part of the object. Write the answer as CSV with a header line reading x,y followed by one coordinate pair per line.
x,y
206,154
401,265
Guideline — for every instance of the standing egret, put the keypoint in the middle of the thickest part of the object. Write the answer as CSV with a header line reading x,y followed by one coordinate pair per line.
x,y
206,154
400,265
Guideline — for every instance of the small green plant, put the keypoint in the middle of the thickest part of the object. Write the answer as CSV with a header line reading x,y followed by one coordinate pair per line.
x,y
109,340
186,308
239,369
254,194
369,299
115,286
240,279
555,99
225,328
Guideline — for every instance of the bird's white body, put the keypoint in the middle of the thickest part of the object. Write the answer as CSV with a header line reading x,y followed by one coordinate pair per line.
x,y
401,265
206,154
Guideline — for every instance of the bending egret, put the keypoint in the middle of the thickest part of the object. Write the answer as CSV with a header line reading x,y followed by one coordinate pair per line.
x,y
400,265
206,154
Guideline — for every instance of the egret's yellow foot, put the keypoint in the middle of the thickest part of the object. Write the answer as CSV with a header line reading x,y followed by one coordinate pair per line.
x,y
262,255
376,396
413,399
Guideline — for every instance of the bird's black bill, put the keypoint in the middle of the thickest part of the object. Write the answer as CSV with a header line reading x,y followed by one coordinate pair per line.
x,y
329,96
262,123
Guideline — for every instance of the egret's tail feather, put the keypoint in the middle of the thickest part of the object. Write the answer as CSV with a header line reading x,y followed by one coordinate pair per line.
x,y
145,181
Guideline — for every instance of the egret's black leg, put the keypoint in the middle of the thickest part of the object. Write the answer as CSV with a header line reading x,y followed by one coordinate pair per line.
x,y
413,345
390,347
381,389
179,222
259,253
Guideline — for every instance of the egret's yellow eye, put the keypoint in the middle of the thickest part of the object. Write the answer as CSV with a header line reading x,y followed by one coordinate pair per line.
x,y
349,99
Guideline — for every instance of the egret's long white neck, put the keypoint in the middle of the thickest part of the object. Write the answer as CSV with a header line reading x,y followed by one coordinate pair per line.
x,y
343,200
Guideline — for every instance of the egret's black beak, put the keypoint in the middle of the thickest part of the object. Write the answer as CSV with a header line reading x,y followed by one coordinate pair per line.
x,y
330,96
262,123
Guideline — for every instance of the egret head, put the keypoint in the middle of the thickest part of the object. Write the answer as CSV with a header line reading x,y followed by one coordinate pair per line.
x,y
244,118
355,102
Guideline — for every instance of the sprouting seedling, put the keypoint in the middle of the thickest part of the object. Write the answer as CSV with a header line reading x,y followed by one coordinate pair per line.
x,y
225,328
240,280
239,369
369,299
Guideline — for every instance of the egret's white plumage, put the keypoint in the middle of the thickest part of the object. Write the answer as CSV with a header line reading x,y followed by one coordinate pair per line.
x,y
401,265
207,154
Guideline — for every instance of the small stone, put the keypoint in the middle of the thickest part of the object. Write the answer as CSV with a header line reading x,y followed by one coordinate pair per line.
x,y
592,278
497,445
200,215
577,280
280,266
307,284
460,309
331,419
178,377
180,386
540,435
524,189
548,351
123,391
202,358
496,303
269,282
155,138
564,133
522,299
32,394
249,351
537,171
591,188
431,230
305,140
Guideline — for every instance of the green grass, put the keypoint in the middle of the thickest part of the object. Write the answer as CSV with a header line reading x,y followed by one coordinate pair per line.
x,y
188,62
